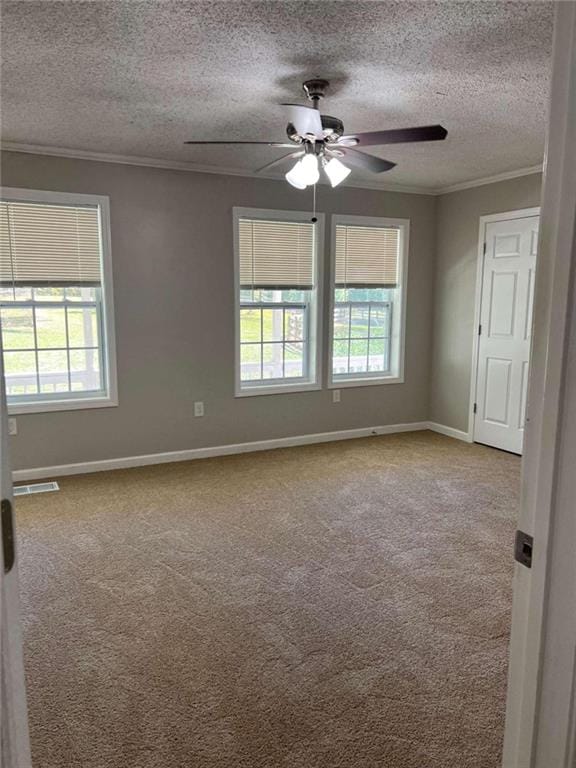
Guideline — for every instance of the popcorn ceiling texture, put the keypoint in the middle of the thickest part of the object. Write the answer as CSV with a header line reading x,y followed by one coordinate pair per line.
x,y
138,78
334,606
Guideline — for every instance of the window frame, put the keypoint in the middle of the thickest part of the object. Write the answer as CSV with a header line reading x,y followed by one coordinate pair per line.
x,y
398,320
241,389
75,401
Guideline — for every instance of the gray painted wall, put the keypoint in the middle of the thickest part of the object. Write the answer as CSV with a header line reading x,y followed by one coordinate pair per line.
x,y
173,288
458,215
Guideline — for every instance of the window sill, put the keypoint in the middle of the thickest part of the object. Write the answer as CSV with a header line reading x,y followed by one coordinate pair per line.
x,y
364,382
281,389
48,406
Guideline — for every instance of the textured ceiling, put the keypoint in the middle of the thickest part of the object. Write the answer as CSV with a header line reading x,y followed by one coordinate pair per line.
x,y
138,78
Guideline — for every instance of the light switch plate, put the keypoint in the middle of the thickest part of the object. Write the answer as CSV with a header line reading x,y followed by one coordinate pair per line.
x,y
199,408
12,426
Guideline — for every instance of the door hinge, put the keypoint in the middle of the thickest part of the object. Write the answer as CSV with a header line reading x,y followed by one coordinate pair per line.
x,y
480,329
523,548
484,247
475,407
7,534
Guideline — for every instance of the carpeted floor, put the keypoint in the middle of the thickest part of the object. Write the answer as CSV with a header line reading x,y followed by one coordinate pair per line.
x,y
334,606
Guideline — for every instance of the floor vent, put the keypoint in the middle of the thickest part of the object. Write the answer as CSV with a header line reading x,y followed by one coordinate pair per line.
x,y
24,490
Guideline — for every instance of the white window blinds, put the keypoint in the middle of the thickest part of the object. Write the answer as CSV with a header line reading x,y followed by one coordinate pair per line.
x,y
367,257
42,243
276,254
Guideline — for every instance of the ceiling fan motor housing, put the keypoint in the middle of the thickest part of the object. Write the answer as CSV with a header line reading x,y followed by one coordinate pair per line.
x,y
332,129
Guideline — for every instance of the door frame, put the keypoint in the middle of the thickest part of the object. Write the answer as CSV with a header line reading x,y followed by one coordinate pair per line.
x,y
14,740
522,213
540,727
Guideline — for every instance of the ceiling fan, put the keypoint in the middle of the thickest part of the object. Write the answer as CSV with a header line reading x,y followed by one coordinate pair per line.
x,y
319,140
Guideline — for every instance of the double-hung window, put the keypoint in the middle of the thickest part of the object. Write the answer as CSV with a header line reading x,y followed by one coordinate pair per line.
x,y
369,268
56,301
277,301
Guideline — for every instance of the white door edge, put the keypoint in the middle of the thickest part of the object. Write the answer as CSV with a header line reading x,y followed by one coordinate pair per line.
x,y
14,737
522,213
542,656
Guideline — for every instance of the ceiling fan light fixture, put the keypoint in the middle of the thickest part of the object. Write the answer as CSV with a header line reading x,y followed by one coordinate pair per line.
x,y
336,171
304,173
309,169
295,176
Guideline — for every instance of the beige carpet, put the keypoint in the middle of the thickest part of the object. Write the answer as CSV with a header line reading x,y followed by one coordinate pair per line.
x,y
336,606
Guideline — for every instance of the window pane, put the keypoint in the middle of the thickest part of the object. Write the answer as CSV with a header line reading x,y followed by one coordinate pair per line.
x,y
295,296
250,325
359,322
83,327
8,293
247,296
359,356
85,372
340,356
17,328
250,358
53,370
294,360
50,327
48,293
78,293
294,324
340,294
272,324
20,372
378,321
376,358
272,367
341,322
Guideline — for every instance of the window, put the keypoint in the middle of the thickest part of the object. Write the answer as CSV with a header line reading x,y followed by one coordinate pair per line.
x,y
369,260
56,301
277,285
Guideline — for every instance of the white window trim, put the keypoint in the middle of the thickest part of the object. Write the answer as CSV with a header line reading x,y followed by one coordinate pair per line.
x,y
316,315
371,221
77,403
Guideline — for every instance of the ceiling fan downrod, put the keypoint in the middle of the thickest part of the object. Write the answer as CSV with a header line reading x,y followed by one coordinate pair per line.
x,y
315,90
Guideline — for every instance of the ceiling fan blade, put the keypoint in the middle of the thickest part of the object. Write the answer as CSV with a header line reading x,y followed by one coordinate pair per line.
x,y
305,120
364,161
262,143
396,136
282,159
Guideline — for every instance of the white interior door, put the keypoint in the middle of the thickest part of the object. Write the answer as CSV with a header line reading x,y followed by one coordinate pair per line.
x,y
14,742
504,332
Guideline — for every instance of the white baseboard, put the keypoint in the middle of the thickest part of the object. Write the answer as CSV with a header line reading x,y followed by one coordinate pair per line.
x,y
458,434
38,473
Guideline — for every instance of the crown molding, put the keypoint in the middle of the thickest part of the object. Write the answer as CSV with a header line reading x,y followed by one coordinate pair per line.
x,y
529,171
180,165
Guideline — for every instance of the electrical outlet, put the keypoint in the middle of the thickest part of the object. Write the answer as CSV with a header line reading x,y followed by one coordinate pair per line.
x,y
199,408
12,427
335,395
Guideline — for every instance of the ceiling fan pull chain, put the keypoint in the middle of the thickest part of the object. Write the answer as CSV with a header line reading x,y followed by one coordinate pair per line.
x,y
314,218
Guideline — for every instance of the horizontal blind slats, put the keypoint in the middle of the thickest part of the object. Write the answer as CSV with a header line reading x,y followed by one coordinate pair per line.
x,y
276,254
367,256
48,243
